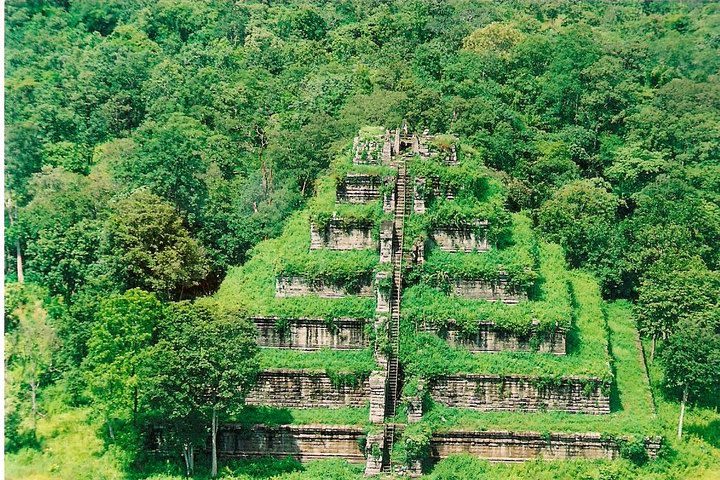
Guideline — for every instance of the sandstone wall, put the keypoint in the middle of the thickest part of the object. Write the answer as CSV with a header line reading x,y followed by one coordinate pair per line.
x,y
386,237
315,442
312,333
339,235
490,339
359,188
299,286
482,290
461,239
519,446
305,389
518,394
302,442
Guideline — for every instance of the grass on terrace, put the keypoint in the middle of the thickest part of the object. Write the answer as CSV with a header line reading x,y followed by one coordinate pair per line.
x,y
517,260
478,195
549,305
252,415
427,355
633,412
324,204
252,286
340,364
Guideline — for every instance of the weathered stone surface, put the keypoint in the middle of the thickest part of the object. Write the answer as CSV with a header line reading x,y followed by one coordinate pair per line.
x,y
467,238
483,290
518,394
500,446
314,442
341,235
368,152
299,286
415,404
359,188
377,384
389,202
305,389
312,333
374,446
386,236
418,198
302,442
489,338
383,294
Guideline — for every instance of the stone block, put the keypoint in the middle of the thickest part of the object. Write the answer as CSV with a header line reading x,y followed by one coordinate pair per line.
x,y
377,383
312,333
292,286
382,292
302,442
502,446
519,394
374,447
341,235
489,338
483,290
386,238
360,188
464,238
305,389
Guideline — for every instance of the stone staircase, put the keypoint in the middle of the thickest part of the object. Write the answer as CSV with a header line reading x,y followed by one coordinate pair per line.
x,y
392,393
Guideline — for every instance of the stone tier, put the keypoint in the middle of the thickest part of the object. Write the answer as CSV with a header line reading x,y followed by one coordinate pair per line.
x,y
489,338
342,235
483,290
312,333
499,446
302,442
465,238
315,442
519,394
305,389
359,188
293,286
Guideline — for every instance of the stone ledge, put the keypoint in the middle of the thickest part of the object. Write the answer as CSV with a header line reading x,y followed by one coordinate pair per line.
x,y
312,333
295,286
491,339
302,442
464,238
505,446
359,188
519,393
485,290
305,389
342,235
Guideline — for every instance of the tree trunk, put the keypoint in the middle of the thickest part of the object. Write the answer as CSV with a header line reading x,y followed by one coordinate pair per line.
x,y
33,401
682,412
135,406
20,275
186,457
192,459
213,471
652,350
18,252
111,432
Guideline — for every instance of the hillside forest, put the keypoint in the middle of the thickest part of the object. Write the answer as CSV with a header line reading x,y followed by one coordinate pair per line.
x,y
150,145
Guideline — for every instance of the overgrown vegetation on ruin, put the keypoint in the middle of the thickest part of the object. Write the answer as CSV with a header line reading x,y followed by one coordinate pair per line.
x,y
549,307
156,150
428,355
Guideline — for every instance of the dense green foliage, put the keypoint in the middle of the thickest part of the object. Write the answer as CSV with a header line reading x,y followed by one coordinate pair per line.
x,y
427,355
515,263
549,308
153,145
